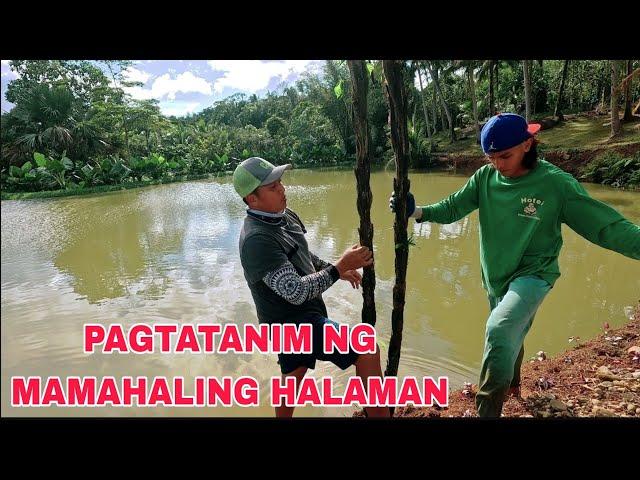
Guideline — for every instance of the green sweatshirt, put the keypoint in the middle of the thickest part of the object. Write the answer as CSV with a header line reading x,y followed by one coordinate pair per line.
x,y
520,222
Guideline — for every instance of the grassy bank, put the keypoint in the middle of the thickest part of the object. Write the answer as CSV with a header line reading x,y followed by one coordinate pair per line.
x,y
103,188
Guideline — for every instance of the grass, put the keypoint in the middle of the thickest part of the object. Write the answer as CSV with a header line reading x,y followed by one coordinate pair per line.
x,y
588,133
578,132
466,146
100,189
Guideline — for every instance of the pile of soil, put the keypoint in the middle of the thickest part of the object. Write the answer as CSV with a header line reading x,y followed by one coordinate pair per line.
x,y
596,378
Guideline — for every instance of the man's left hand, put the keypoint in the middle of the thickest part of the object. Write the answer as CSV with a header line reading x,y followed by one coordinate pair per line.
x,y
353,277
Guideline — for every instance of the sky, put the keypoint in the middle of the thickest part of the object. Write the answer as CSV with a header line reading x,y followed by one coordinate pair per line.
x,y
188,86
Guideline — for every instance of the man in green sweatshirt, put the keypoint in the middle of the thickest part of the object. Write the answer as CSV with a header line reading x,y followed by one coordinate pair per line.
x,y
522,203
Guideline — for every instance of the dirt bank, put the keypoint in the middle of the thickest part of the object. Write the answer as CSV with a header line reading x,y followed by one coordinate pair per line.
x,y
595,378
571,160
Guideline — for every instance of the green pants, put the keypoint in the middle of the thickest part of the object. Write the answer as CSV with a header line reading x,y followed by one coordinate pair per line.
x,y
510,320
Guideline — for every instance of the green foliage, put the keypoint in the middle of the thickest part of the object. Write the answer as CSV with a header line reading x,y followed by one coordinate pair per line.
x,y
276,126
338,89
613,169
75,125
111,170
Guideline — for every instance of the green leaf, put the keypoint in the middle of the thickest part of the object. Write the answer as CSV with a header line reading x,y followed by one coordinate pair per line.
x,y
105,165
67,163
87,170
55,166
370,67
40,159
15,171
26,167
338,89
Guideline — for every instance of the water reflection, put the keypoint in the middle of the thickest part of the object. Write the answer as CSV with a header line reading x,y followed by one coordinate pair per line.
x,y
169,254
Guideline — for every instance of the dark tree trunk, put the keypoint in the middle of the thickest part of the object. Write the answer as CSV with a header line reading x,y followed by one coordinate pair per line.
x,y
424,107
557,112
472,90
126,136
615,113
434,109
452,132
526,65
397,98
628,116
360,87
492,100
497,69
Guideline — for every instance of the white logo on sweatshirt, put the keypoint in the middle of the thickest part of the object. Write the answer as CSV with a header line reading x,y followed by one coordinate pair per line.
x,y
530,209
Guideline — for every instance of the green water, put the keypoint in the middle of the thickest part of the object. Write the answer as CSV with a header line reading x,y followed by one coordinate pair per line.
x,y
169,254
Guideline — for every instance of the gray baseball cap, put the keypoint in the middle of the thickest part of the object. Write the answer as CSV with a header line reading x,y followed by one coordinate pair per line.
x,y
254,172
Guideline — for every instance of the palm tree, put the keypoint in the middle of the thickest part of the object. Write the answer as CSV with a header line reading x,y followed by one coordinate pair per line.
x,y
87,139
424,108
470,66
557,112
46,112
434,75
526,65
628,116
487,68
615,115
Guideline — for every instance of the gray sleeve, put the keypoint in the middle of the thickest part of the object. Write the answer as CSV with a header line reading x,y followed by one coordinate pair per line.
x,y
287,283
318,263
260,255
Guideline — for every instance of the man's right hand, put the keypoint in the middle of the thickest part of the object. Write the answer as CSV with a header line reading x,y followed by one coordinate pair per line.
x,y
411,204
353,258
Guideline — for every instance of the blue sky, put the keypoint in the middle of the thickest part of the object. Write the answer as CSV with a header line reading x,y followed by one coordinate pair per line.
x,y
189,86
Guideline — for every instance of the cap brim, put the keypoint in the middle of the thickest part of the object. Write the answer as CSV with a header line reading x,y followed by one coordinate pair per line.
x,y
276,173
534,128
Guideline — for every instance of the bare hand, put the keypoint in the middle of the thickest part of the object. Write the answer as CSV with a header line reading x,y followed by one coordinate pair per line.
x,y
353,277
353,258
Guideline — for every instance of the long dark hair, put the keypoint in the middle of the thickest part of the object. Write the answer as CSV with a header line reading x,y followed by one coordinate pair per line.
x,y
530,159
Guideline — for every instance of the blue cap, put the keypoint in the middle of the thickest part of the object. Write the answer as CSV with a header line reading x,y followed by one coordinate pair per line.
x,y
504,131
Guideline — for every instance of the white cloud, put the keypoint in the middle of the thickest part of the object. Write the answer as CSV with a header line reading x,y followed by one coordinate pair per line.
x,y
139,93
178,108
164,85
254,75
185,82
5,70
132,74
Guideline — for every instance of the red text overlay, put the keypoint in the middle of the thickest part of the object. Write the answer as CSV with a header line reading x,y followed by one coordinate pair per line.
x,y
226,391
225,338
